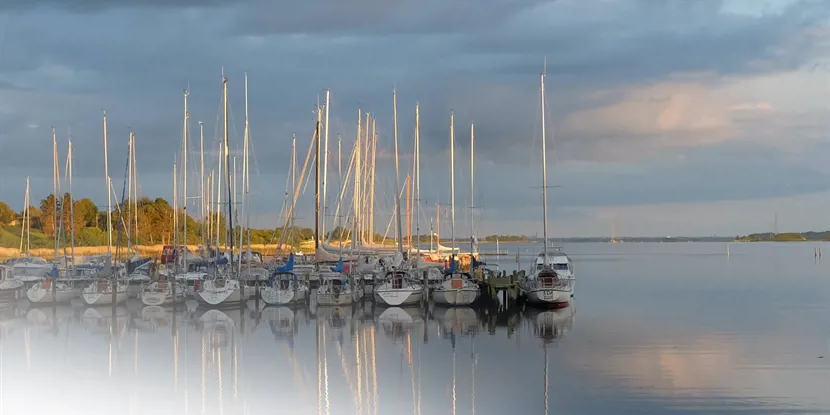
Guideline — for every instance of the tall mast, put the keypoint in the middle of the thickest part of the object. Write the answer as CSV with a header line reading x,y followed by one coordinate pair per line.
x,y
185,149
135,189
218,180
544,176
372,188
417,178
340,190
109,194
325,161
397,175
246,176
71,203
293,168
129,189
356,199
227,165
317,182
55,189
175,208
202,181
452,180
472,189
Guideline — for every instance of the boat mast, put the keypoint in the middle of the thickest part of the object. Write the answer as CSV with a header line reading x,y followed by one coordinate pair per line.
x,y
340,191
372,186
417,179
356,232
204,202
129,190
184,174
227,165
544,176
317,181
472,191
246,179
55,189
452,180
293,171
325,160
109,194
71,205
175,211
397,174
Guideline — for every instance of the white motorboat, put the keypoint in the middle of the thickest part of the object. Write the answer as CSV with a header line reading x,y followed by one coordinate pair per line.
x,y
51,291
284,288
398,288
457,289
100,293
336,290
10,287
219,291
161,293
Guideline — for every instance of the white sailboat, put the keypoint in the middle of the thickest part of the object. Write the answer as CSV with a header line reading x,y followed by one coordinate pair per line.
x,y
284,287
398,289
45,293
101,293
162,292
223,289
336,291
550,282
457,288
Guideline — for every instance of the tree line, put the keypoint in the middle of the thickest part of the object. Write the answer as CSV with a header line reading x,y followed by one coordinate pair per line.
x,y
155,224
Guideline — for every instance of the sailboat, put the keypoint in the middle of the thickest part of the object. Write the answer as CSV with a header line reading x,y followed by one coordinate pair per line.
x,y
222,289
108,289
10,287
398,287
457,288
50,291
551,279
284,287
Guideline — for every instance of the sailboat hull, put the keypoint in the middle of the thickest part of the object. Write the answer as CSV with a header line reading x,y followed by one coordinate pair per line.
x,y
399,297
103,298
272,296
549,297
335,299
37,294
451,297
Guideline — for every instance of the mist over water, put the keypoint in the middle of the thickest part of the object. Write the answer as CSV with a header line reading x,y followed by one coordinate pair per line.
x,y
671,328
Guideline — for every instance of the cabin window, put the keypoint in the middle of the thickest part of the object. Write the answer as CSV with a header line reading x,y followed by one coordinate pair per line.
x,y
397,283
560,267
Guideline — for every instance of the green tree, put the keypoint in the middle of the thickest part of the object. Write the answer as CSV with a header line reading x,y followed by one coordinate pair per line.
x,y
7,215
86,212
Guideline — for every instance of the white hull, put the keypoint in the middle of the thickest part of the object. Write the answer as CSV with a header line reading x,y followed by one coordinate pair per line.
x,y
150,298
11,289
229,292
399,297
272,296
39,295
333,299
549,297
103,298
459,297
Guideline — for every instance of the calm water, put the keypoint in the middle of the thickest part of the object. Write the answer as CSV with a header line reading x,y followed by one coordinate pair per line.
x,y
654,329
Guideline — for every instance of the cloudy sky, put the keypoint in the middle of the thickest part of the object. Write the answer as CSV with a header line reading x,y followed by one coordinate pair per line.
x,y
664,117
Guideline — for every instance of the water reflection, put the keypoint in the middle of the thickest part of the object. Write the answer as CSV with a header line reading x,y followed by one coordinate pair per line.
x,y
369,360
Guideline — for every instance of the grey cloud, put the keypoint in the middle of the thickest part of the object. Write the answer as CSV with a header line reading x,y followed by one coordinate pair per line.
x,y
135,62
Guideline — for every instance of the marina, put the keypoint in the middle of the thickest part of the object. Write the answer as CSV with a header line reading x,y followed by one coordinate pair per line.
x,y
590,358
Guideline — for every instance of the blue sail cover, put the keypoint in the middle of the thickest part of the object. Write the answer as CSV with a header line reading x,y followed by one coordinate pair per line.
x,y
288,265
53,273
338,267
222,260
451,269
